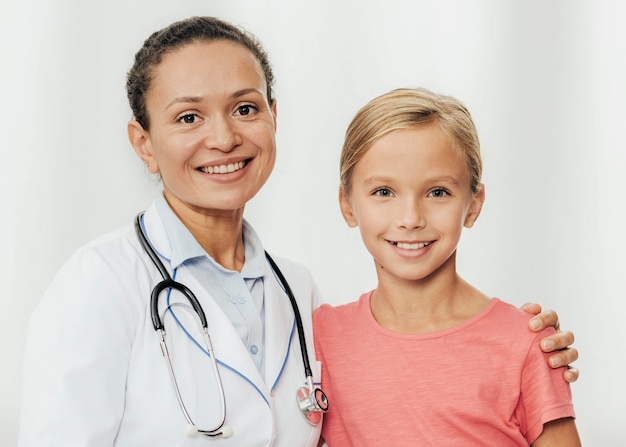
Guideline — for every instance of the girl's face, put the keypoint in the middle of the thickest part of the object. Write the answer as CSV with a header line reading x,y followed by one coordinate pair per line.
x,y
411,198
212,130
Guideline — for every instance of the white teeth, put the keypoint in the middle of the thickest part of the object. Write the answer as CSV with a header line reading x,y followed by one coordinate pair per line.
x,y
224,169
416,246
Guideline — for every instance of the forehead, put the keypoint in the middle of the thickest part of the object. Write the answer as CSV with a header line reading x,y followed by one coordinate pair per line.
x,y
208,67
414,153
419,141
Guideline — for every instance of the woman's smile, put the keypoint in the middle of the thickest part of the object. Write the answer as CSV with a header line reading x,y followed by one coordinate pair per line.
x,y
223,169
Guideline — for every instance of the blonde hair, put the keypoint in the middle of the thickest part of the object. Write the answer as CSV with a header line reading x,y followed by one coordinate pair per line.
x,y
407,108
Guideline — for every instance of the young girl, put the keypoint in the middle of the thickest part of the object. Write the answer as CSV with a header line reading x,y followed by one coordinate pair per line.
x,y
426,358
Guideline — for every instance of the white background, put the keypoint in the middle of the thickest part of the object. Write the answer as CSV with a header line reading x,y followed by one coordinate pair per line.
x,y
544,80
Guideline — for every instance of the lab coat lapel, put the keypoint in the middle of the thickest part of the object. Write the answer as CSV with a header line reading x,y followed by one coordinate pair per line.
x,y
279,328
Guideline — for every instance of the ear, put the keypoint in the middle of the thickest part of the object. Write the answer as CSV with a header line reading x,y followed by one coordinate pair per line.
x,y
140,140
346,208
475,207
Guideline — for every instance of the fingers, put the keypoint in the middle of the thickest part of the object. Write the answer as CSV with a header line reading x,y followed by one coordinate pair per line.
x,y
559,341
531,308
563,357
547,318
571,374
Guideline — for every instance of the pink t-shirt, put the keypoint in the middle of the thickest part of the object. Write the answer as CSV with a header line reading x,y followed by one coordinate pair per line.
x,y
484,382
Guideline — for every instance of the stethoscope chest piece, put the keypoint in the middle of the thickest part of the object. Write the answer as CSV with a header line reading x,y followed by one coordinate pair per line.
x,y
313,403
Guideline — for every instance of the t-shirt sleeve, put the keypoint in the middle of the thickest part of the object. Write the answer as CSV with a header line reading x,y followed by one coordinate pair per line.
x,y
545,396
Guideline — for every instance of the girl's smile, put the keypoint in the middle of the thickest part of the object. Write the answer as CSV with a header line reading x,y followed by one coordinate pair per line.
x,y
411,249
410,245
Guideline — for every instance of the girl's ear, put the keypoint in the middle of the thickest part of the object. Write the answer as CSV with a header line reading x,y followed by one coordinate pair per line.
x,y
475,207
346,208
140,140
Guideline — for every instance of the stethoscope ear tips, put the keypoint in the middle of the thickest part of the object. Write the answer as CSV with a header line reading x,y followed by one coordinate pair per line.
x,y
191,429
227,432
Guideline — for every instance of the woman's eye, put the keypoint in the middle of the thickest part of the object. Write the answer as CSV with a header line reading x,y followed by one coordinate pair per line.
x,y
245,109
383,192
439,192
188,118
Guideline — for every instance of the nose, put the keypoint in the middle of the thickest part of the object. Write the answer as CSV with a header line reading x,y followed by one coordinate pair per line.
x,y
411,214
222,134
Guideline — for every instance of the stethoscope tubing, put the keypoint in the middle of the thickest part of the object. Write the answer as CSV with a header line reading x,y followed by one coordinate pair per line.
x,y
313,401
169,283
303,347
153,254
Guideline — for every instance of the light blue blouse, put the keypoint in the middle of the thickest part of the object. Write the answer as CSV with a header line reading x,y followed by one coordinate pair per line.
x,y
239,294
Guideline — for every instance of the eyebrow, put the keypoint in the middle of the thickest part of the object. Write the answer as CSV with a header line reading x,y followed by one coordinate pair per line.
x,y
184,99
245,91
445,179
441,179
198,99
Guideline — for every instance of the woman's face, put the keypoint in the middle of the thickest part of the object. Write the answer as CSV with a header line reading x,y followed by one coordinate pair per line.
x,y
212,129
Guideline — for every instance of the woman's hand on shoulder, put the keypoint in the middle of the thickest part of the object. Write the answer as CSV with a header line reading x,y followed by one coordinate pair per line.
x,y
559,343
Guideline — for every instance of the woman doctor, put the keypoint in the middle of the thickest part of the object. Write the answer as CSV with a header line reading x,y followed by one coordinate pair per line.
x,y
95,375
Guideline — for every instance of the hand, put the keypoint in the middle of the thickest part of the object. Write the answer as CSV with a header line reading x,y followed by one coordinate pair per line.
x,y
559,343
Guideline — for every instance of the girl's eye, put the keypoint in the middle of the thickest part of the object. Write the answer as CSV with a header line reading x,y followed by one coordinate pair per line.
x,y
245,109
383,192
437,193
188,118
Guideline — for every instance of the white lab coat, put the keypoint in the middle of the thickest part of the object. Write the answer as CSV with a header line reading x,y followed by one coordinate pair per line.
x,y
95,375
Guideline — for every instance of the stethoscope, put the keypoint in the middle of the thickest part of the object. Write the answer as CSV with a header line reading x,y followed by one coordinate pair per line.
x,y
311,399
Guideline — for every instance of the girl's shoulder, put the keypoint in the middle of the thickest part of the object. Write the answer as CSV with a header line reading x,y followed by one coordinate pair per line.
x,y
340,314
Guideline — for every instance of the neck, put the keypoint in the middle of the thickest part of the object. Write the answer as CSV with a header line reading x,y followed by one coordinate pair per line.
x,y
220,233
416,307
